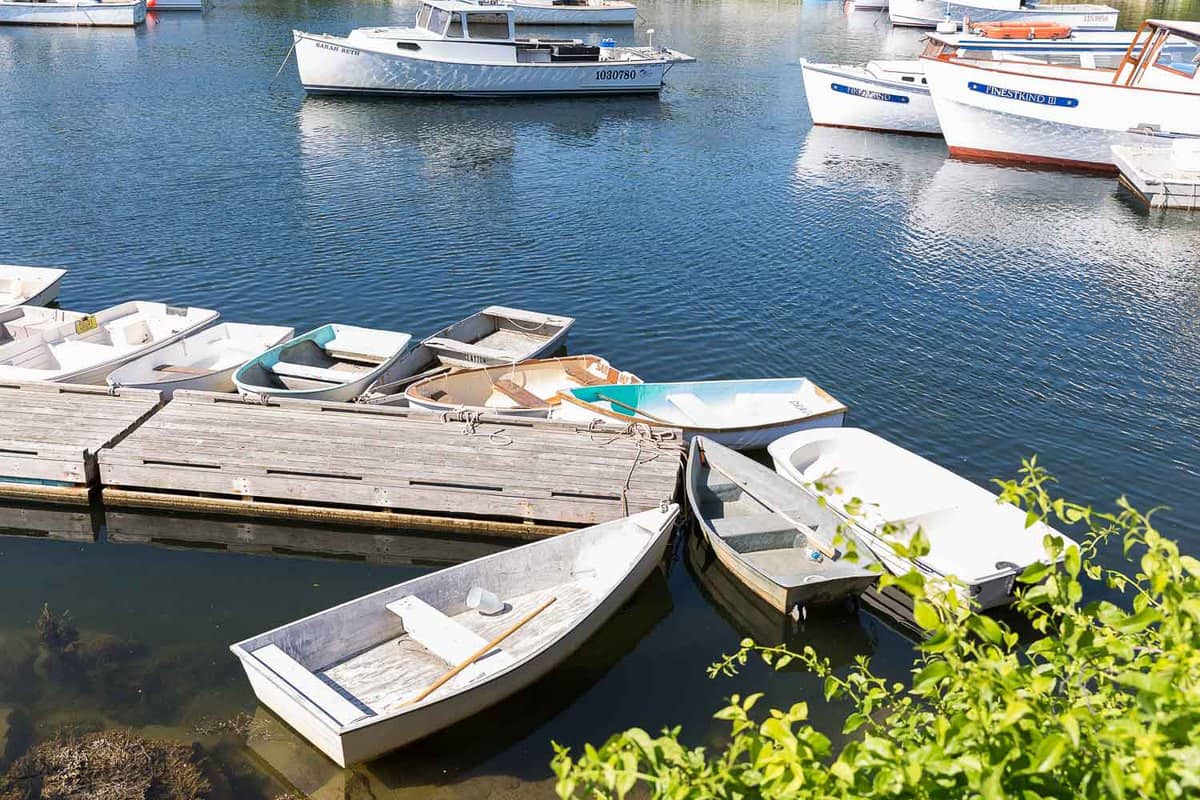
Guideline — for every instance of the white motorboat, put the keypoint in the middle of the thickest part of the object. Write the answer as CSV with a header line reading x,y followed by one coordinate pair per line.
x,y
203,361
499,335
28,286
1053,115
929,13
572,12
527,389
771,535
982,543
84,348
893,96
464,49
335,363
102,13
376,673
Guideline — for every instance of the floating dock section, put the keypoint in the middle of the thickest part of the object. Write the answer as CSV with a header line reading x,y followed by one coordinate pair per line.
x,y
1161,176
360,464
50,435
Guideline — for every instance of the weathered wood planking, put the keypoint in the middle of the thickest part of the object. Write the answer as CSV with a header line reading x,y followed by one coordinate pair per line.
x,y
50,434
334,461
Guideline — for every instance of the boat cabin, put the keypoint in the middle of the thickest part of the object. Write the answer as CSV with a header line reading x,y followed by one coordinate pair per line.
x,y
451,19
1152,63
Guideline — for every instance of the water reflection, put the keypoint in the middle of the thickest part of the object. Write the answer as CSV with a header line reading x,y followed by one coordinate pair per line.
x,y
890,167
64,523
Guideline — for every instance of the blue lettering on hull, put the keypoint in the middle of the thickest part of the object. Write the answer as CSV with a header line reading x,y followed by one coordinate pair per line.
x,y
869,95
1025,97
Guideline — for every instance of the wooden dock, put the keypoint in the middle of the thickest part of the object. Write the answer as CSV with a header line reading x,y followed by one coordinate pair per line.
x,y
381,466
50,435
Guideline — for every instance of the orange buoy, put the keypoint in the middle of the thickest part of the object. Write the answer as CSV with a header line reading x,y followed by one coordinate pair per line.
x,y
1022,30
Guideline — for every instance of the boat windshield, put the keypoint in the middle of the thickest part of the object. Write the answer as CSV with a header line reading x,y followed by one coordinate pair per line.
x,y
438,18
455,31
487,25
423,16
1183,59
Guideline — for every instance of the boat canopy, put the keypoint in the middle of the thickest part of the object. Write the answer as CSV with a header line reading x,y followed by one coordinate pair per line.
x,y
1149,63
454,19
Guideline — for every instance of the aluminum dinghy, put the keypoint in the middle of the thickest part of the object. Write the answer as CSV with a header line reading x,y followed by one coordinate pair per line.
x,y
499,335
336,363
769,534
742,414
85,348
28,286
353,679
203,361
527,389
981,542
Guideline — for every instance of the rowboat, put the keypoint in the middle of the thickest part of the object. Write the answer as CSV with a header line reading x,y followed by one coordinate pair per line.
x,y
24,322
983,543
527,389
28,286
776,539
376,673
468,50
102,13
335,363
85,348
1054,115
204,361
572,12
744,414
499,335
929,13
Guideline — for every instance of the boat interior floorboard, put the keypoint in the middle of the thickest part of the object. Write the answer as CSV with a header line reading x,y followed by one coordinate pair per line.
x,y
512,341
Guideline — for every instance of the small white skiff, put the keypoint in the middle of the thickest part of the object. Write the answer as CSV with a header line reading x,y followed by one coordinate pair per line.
x,y
573,12
23,322
499,335
464,49
101,13
981,542
389,668
203,361
527,389
335,363
28,286
85,348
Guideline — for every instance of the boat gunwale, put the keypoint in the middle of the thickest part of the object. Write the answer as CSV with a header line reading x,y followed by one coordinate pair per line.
x,y
959,62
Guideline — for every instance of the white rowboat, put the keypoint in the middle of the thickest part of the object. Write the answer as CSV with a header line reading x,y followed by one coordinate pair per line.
x,y
981,542
354,680
499,335
204,361
84,348
101,13
770,534
28,286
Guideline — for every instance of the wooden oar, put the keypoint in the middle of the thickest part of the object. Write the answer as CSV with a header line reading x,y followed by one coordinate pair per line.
x,y
828,551
636,410
480,653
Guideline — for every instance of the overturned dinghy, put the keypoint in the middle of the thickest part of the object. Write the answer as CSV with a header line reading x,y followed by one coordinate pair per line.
x,y
28,286
336,363
528,389
469,50
981,542
84,348
774,538
743,415
389,668
204,361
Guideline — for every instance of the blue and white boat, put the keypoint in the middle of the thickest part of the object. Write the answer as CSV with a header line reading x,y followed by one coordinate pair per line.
x,y
336,363
893,96
742,414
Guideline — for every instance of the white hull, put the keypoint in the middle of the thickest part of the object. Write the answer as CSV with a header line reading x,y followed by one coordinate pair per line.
x,y
115,14
328,64
177,5
849,97
547,14
992,114
928,13
869,5
28,286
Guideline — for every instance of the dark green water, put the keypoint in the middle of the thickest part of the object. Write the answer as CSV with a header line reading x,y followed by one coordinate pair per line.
x,y
974,313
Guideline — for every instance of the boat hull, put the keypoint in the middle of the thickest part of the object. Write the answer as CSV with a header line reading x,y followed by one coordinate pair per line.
x,y
329,65
177,5
995,115
545,14
110,15
848,97
928,13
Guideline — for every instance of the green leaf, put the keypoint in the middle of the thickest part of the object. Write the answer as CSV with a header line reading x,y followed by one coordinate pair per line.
x,y
1049,753
1139,621
933,672
925,616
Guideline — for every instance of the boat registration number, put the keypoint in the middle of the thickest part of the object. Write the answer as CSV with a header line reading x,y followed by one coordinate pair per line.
x,y
337,48
868,94
1025,97
616,74
86,324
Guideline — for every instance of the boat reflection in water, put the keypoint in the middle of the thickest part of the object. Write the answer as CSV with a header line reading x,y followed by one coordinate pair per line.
x,y
894,167
61,523
474,744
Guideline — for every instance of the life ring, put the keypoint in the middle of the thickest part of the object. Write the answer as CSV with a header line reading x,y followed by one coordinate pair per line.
x,y
1022,30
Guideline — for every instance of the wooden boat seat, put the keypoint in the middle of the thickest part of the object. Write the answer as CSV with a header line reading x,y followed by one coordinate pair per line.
x,y
354,346
583,377
447,639
746,524
176,370
74,354
472,350
315,690
699,412
320,374
518,394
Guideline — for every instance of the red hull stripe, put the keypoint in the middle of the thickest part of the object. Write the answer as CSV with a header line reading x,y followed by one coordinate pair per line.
x,y
875,130
972,154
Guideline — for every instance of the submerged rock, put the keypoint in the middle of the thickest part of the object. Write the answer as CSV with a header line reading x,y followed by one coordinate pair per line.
x,y
113,765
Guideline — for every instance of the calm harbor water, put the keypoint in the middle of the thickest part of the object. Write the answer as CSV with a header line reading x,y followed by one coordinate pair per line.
x,y
974,313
